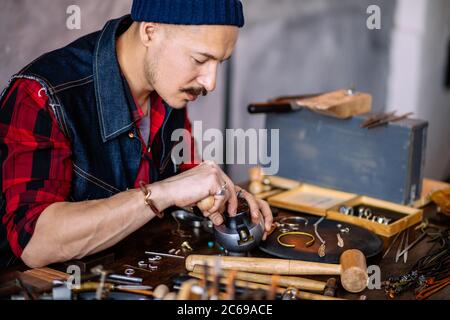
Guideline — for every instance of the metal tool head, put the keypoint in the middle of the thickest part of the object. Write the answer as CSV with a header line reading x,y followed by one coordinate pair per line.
x,y
239,234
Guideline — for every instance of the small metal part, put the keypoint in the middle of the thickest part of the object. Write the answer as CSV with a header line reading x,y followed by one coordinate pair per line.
x,y
125,278
340,241
347,210
339,226
154,259
163,254
381,219
142,264
152,268
129,272
185,245
361,211
290,294
294,221
177,252
330,288
308,244
345,230
171,251
367,213
322,249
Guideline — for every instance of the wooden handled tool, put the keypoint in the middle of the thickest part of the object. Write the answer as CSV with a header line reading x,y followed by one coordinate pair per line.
x,y
352,267
284,281
206,203
255,286
339,104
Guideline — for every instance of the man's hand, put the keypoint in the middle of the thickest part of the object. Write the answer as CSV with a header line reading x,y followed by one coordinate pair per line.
x,y
206,180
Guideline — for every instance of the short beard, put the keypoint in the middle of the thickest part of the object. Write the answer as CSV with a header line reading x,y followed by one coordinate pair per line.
x,y
150,72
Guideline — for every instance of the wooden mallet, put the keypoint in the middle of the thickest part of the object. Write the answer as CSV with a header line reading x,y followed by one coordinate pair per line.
x,y
352,267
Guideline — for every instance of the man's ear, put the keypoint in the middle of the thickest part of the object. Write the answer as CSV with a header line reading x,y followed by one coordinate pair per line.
x,y
147,32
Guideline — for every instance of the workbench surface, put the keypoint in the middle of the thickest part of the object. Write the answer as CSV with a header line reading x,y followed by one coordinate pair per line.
x,y
161,236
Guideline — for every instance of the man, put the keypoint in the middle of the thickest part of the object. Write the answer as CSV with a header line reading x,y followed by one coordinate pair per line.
x,y
85,132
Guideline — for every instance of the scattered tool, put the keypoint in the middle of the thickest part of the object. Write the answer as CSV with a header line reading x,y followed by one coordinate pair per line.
x,y
330,288
339,104
163,255
322,248
352,269
391,118
376,118
283,281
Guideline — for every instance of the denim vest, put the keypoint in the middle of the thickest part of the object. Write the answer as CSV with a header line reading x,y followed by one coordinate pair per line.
x,y
88,96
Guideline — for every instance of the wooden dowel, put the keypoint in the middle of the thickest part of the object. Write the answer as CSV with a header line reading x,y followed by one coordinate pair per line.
x,y
265,265
284,281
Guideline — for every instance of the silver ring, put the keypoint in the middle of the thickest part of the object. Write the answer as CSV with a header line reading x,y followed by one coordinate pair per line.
x,y
222,190
129,272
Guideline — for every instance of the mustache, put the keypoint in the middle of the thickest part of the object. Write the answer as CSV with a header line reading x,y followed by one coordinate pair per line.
x,y
196,91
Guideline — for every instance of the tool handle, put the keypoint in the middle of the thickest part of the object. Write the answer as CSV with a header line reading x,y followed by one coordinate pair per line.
x,y
206,204
256,286
265,265
271,107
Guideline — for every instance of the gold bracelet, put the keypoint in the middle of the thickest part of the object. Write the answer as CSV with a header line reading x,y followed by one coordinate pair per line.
x,y
308,244
148,201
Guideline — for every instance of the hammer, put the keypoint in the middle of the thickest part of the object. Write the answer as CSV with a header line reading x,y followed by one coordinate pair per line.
x,y
352,267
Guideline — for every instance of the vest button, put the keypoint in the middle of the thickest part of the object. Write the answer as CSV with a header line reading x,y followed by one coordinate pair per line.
x,y
131,135
149,149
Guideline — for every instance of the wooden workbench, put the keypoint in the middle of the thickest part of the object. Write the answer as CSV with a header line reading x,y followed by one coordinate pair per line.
x,y
161,236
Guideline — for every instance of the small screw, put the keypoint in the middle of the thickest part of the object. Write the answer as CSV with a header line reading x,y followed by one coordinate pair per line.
x,y
185,245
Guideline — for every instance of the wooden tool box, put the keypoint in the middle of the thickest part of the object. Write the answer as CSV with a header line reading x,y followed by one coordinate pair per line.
x,y
328,202
384,162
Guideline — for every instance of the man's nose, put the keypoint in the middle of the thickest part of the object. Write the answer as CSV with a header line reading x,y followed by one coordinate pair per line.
x,y
209,78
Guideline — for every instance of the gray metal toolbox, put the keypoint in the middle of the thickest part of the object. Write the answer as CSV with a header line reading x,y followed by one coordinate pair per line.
x,y
385,162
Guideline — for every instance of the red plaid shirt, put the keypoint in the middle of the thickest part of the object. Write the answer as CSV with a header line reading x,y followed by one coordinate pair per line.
x,y
37,164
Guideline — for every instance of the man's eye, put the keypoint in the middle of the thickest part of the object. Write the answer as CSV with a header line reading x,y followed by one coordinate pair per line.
x,y
198,62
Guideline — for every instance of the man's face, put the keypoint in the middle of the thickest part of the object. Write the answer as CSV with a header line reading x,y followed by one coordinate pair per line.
x,y
184,60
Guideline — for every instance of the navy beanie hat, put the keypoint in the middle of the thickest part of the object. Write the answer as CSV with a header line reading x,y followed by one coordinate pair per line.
x,y
189,12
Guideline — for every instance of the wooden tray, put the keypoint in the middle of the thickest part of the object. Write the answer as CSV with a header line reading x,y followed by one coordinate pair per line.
x,y
326,202
403,216
310,199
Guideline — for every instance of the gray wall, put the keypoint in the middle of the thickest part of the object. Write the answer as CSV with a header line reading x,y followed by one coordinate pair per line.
x,y
287,47
292,47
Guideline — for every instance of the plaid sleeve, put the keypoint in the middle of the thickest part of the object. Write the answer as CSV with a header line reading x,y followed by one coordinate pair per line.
x,y
36,161
195,157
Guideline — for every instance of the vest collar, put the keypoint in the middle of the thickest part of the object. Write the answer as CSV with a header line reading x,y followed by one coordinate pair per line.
x,y
112,104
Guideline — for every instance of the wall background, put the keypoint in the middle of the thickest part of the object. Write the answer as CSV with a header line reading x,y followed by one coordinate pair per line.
x,y
287,47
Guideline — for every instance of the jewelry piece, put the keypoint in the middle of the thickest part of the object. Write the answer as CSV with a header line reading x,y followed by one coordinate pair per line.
x,y
148,201
155,258
340,241
129,272
361,212
367,213
308,244
290,221
222,190
322,248
348,211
